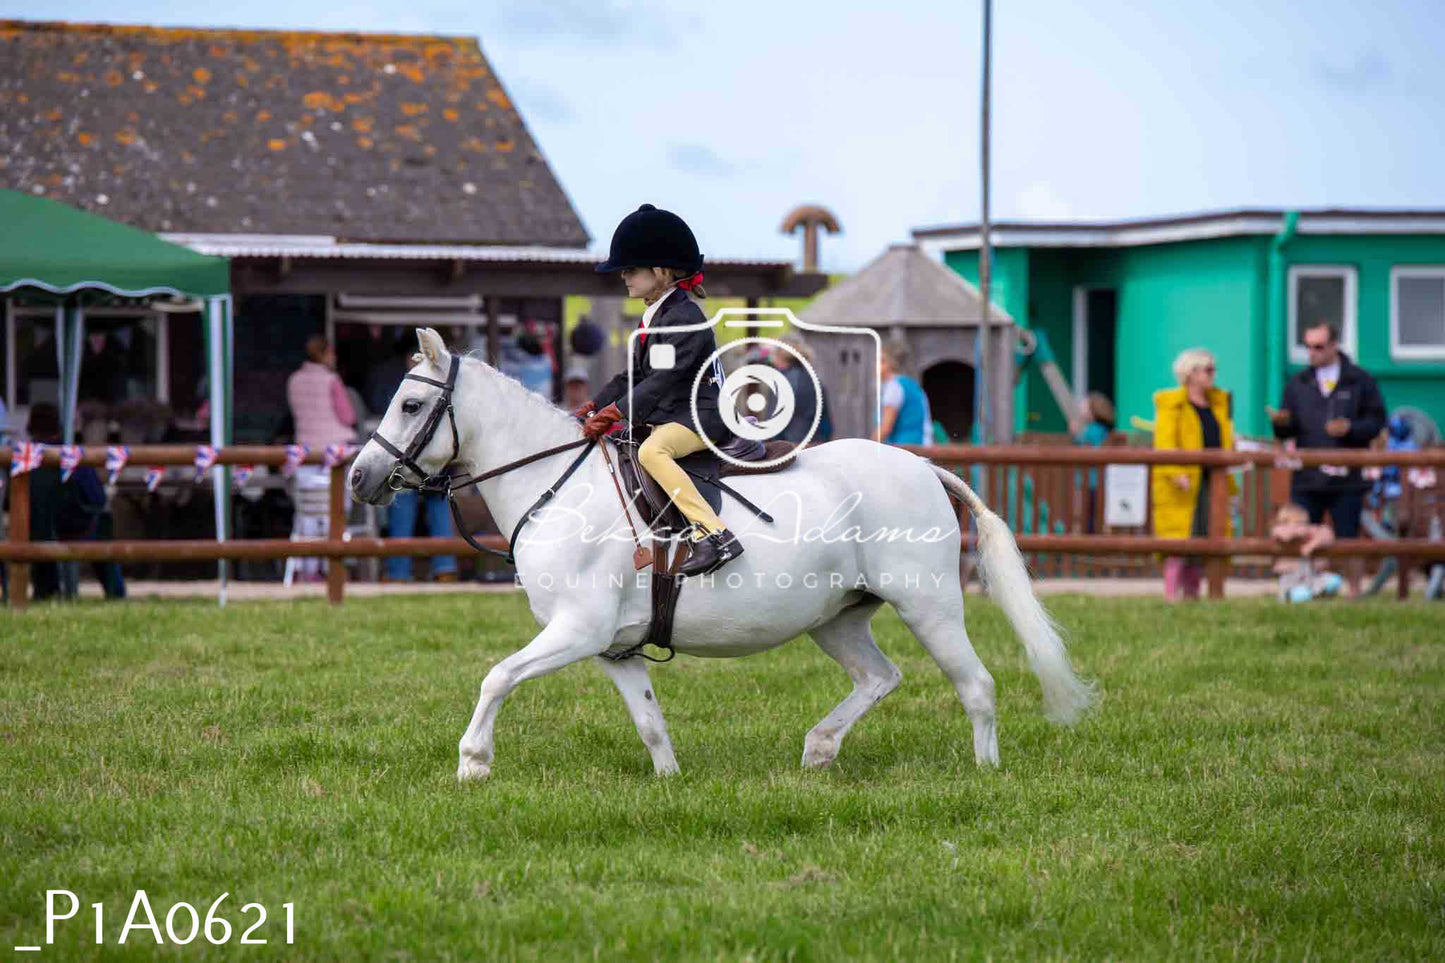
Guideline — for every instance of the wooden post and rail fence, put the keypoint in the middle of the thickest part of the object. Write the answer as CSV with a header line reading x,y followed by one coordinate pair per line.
x,y
1036,488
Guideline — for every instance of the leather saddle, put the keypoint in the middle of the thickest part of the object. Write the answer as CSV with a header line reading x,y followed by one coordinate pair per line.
x,y
706,470
660,516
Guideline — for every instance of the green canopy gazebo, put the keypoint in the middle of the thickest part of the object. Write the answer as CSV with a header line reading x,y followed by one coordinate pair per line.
x,y
51,252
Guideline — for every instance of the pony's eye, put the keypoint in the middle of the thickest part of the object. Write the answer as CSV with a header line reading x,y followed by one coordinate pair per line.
x,y
411,407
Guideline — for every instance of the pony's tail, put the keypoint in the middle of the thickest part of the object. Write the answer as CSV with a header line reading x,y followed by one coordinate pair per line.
x,y
1006,577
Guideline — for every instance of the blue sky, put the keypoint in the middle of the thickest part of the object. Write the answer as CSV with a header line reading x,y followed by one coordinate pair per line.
x,y
733,113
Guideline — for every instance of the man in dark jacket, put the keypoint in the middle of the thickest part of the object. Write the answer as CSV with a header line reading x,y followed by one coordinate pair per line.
x,y
1334,403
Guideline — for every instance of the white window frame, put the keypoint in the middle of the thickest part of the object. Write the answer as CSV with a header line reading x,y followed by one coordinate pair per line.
x,y
1348,338
1403,351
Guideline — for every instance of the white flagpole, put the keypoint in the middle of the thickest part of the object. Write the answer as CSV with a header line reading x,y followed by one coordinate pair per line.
x,y
215,328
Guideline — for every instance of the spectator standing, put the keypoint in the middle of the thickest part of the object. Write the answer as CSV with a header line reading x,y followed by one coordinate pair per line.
x,y
1092,427
69,510
1334,403
906,418
382,378
323,415
576,386
805,398
527,356
1194,416
319,402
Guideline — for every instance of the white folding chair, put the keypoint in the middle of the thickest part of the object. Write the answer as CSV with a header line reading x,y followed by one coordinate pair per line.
x,y
313,504
313,509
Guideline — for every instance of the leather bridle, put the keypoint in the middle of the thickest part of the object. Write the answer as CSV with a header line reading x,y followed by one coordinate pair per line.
x,y
396,481
444,483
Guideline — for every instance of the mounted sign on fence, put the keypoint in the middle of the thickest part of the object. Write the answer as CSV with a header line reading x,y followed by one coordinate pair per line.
x,y
1126,495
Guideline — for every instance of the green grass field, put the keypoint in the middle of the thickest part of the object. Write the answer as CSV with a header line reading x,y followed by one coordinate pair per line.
x,y
1260,782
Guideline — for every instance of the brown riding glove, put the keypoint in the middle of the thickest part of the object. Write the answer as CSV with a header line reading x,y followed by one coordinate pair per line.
x,y
598,424
584,409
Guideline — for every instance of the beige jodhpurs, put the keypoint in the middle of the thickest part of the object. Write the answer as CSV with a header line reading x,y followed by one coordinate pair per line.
x,y
666,443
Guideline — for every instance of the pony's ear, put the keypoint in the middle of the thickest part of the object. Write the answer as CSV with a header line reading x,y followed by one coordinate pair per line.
x,y
432,348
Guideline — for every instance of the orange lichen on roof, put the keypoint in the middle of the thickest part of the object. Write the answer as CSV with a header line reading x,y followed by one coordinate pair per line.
x,y
307,85
321,100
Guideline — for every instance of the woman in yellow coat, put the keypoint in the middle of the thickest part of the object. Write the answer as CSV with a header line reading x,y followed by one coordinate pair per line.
x,y
1195,415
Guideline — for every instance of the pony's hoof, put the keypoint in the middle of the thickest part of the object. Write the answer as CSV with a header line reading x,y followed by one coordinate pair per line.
x,y
470,770
819,750
818,758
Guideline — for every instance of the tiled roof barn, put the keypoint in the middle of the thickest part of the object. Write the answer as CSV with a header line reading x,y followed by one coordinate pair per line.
x,y
361,137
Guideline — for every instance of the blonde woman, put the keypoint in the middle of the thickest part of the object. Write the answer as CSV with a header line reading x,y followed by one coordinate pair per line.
x,y
1193,416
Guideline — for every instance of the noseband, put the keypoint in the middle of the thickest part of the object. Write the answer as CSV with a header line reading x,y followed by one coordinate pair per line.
x,y
397,481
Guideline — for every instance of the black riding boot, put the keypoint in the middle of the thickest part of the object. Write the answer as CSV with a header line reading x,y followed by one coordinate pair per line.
x,y
711,553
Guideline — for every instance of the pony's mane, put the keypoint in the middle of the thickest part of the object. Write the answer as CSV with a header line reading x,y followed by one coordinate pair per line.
x,y
529,403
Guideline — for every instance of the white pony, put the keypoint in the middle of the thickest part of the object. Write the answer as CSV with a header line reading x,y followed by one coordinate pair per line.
x,y
856,524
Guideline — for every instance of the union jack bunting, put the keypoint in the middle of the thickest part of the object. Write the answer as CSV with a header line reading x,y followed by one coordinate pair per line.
x,y
295,454
335,455
242,474
154,474
26,458
115,458
1421,477
70,456
205,458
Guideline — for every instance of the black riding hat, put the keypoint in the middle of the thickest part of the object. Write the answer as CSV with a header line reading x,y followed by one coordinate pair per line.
x,y
649,237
